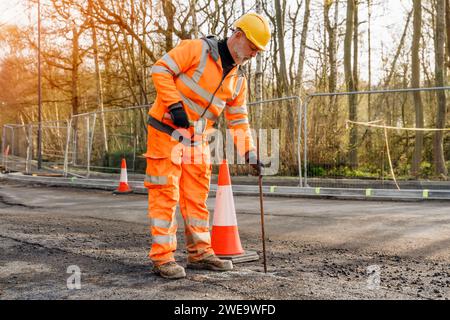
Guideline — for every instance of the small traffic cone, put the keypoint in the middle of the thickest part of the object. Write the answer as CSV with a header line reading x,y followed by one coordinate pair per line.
x,y
123,184
225,239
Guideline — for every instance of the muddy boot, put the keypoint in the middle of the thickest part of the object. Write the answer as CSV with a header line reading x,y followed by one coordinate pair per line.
x,y
211,263
170,270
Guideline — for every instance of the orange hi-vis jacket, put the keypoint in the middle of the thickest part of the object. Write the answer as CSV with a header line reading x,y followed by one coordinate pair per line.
x,y
192,73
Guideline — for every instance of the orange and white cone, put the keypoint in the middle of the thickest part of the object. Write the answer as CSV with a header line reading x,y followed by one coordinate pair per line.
x,y
224,235
123,184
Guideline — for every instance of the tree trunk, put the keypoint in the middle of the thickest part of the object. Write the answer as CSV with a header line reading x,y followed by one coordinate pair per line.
x,y
355,48
301,55
280,35
169,13
415,83
349,81
259,77
332,58
194,18
75,64
98,78
439,160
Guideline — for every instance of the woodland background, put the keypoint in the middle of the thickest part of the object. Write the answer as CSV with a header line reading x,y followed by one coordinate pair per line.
x,y
97,55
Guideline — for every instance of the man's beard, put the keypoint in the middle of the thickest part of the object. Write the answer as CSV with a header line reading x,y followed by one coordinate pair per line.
x,y
242,59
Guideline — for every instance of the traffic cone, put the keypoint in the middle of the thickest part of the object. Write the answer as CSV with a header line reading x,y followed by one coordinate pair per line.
x,y
225,239
123,184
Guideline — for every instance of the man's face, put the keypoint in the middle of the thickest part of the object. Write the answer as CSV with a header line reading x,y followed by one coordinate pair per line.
x,y
245,50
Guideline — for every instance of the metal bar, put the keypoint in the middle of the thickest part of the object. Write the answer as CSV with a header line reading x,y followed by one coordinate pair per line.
x,y
97,167
112,110
88,149
273,100
52,127
305,141
30,143
134,153
12,150
299,142
263,234
39,136
91,139
325,94
3,145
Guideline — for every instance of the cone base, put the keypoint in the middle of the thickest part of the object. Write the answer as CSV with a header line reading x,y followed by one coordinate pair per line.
x,y
247,256
122,192
225,240
123,188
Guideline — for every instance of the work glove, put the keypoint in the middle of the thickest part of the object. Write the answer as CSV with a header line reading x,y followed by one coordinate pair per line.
x,y
255,163
178,115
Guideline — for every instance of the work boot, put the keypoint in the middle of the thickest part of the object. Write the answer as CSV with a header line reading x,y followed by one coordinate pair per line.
x,y
211,263
170,270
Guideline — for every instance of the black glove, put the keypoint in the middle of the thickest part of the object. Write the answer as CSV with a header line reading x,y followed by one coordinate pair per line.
x,y
256,164
178,115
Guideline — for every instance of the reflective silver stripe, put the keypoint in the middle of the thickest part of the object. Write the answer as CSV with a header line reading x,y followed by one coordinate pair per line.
x,y
201,66
161,180
200,91
161,69
238,87
186,141
198,109
163,223
238,121
237,110
197,222
171,63
201,237
164,239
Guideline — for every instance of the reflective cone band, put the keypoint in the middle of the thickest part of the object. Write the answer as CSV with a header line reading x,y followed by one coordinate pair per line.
x,y
224,235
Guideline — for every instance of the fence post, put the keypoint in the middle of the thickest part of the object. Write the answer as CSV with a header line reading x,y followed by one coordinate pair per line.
x,y
88,149
299,142
3,145
134,152
30,143
66,152
13,142
305,140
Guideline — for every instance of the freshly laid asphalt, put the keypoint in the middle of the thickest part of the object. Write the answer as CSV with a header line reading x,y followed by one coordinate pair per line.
x,y
317,248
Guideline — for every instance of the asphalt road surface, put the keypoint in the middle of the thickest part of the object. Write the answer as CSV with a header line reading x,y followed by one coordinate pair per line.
x,y
317,249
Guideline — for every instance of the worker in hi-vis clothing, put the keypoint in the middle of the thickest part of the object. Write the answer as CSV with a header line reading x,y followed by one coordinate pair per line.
x,y
195,82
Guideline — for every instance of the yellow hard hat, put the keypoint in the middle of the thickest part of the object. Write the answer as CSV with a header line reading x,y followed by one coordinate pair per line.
x,y
256,29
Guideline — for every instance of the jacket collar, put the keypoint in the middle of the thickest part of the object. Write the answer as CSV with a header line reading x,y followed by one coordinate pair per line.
x,y
213,46
212,41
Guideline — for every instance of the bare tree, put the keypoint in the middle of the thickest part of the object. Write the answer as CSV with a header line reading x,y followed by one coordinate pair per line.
x,y
280,37
440,75
301,55
415,83
350,81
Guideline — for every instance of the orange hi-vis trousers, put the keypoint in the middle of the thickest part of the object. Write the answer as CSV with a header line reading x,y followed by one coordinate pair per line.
x,y
177,173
